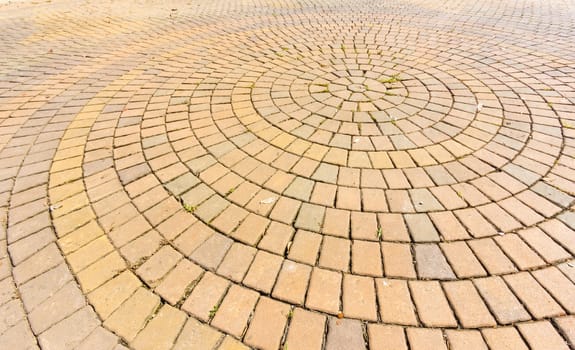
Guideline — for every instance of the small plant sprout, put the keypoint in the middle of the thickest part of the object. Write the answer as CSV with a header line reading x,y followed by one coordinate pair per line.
x,y
393,79
379,233
230,191
188,207
214,310
289,314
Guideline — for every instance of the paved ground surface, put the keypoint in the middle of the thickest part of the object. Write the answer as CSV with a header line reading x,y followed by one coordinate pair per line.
x,y
288,174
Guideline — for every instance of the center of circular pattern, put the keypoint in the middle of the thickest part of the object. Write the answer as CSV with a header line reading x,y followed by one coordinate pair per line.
x,y
357,88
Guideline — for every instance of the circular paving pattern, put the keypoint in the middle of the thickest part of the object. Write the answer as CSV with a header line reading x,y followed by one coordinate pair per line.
x,y
311,175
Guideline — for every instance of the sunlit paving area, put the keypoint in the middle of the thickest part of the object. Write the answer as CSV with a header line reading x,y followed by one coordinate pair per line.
x,y
287,174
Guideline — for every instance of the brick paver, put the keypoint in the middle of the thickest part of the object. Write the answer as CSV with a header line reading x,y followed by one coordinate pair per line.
x,y
287,174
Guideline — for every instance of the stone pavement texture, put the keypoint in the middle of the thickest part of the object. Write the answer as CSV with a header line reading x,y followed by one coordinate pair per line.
x,y
287,174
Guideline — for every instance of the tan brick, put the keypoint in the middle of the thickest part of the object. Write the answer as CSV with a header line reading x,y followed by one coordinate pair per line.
x,y
523,256
162,330
267,327
230,343
344,334
542,336
424,338
305,247
158,265
393,227
206,296
324,291
263,271
306,330
465,340
101,271
539,303
398,260
237,261
502,302
130,317
468,305
385,337
177,281
431,303
366,258
503,338
335,253
462,260
292,282
359,297
196,335
395,305
558,286
364,226
235,310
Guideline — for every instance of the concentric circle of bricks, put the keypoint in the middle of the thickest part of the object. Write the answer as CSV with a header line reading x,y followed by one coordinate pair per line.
x,y
302,175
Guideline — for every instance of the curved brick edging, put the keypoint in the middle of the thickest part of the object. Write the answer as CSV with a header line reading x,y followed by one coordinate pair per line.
x,y
230,185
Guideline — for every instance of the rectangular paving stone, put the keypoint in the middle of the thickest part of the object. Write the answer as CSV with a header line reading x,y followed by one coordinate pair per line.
x,y
398,260
462,260
393,227
366,258
421,228
305,247
212,251
324,291
501,300
468,305
100,338
431,263
359,297
386,337
543,245
431,303
344,334
69,333
235,310
38,263
196,335
521,254
162,330
158,265
476,224
59,306
267,326
206,296
562,233
465,340
306,330
174,286
566,326
364,226
542,336
292,282
492,258
336,222
395,305
251,229
558,286
263,272
131,316
310,217
424,338
335,253
539,303
237,261
276,238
